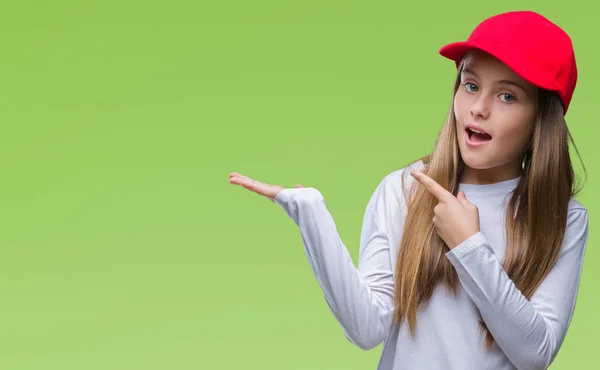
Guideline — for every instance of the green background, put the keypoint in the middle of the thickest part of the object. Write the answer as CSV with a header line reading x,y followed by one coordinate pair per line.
x,y
122,244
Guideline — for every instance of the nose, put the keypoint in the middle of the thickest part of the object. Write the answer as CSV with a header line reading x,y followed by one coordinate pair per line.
x,y
481,107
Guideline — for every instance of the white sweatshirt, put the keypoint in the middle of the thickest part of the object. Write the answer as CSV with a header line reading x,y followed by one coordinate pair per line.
x,y
527,333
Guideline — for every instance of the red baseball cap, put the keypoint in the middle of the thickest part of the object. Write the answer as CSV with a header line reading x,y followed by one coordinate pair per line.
x,y
533,47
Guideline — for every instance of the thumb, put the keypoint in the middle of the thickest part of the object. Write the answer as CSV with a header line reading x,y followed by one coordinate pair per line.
x,y
462,198
299,186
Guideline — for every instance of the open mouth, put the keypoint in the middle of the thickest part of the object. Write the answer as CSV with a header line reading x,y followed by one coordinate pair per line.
x,y
477,136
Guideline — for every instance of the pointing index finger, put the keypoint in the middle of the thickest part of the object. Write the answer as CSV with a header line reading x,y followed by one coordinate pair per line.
x,y
434,188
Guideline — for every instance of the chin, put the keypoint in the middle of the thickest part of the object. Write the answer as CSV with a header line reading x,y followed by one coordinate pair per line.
x,y
476,162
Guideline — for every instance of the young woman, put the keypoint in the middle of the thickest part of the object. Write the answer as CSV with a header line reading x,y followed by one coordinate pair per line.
x,y
470,258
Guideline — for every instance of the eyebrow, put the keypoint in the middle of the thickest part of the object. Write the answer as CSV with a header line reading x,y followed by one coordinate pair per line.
x,y
506,82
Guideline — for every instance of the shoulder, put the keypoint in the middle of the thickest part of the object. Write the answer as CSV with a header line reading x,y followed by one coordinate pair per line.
x,y
399,181
402,175
394,186
576,206
577,216
576,232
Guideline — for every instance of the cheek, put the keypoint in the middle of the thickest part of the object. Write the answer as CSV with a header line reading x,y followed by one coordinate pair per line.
x,y
458,117
462,104
458,105
459,114
516,138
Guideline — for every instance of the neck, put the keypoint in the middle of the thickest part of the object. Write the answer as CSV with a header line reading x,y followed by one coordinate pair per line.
x,y
489,175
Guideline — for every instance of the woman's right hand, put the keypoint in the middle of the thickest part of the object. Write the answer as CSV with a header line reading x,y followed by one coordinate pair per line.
x,y
266,190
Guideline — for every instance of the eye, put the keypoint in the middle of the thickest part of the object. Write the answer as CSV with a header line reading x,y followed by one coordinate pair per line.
x,y
507,97
470,87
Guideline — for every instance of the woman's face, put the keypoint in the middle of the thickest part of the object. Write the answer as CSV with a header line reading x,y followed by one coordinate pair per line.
x,y
495,113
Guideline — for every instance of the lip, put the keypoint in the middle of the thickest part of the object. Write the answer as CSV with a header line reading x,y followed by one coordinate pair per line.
x,y
475,127
471,143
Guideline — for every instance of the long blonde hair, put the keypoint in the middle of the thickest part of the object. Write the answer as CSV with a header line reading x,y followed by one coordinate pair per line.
x,y
536,214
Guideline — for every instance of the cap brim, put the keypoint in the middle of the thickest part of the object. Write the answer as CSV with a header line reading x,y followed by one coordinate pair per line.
x,y
457,50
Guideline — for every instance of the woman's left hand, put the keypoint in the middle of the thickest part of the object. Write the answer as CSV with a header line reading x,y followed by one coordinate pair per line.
x,y
455,218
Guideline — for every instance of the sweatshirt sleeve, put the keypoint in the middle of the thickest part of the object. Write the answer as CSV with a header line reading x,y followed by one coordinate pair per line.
x,y
529,332
361,299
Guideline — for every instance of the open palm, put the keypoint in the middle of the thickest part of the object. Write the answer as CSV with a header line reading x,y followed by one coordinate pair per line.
x,y
266,190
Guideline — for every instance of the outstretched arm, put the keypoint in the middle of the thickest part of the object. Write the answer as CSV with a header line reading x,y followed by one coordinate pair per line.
x,y
360,298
